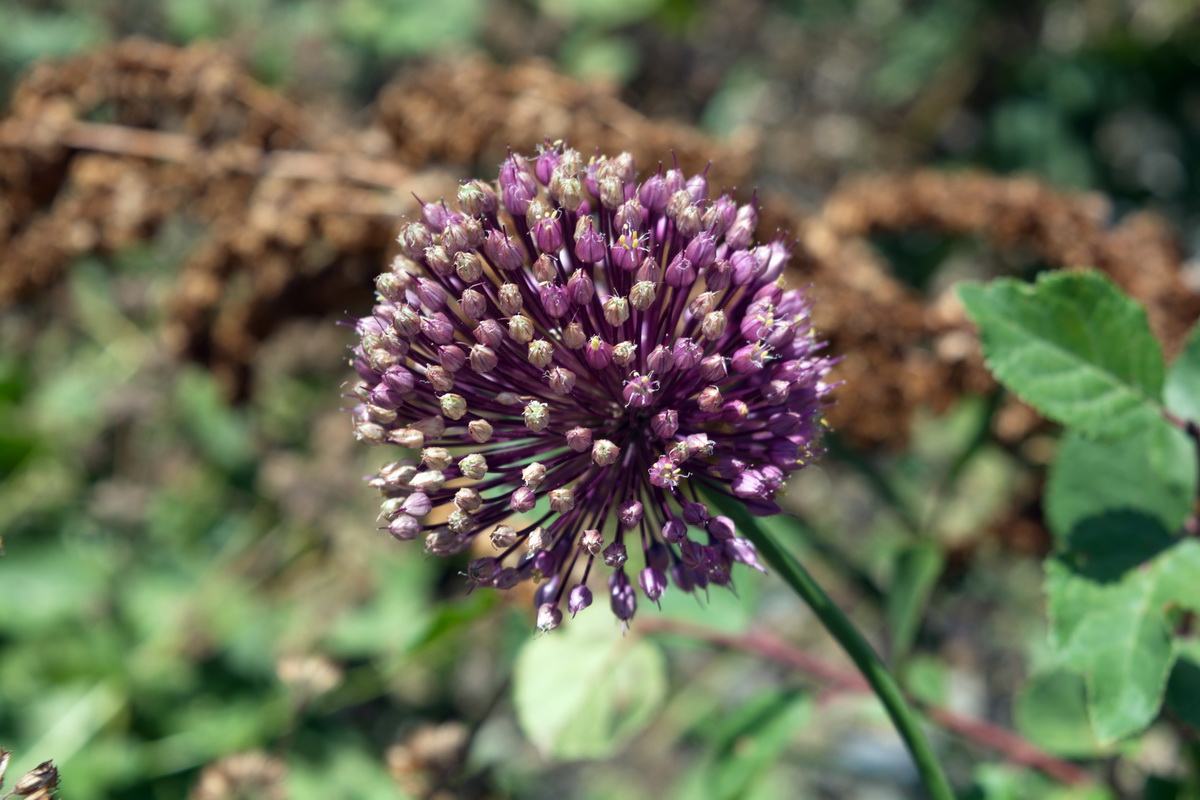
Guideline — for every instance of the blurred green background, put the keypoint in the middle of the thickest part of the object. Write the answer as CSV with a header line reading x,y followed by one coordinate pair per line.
x,y
187,579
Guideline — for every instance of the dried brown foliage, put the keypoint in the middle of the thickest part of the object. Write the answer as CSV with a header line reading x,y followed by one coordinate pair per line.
x,y
297,215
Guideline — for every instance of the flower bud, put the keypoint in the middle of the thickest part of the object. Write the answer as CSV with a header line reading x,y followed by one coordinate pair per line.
x,y
440,378
522,500
573,336
413,239
660,361
639,391
438,260
533,475
555,300
598,353
451,357
604,452
468,266
581,288
473,466
544,269
437,458
541,353
589,244
713,368
616,310
623,353
665,424
480,430
630,513
477,199
562,500
538,539
489,332
454,406
483,358
591,541
537,416
502,251
579,439
509,299
503,537
710,400
713,326
473,304
468,499
549,617
561,381
579,598
642,295
615,555
520,328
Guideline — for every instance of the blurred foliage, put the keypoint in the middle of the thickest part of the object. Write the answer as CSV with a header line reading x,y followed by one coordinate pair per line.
x,y
168,553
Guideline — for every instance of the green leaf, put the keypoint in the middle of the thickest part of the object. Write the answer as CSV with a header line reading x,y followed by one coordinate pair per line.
x,y
583,690
1115,634
1073,346
1051,711
917,569
1182,389
1151,471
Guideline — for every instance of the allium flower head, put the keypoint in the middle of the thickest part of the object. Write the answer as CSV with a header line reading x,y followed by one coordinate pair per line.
x,y
579,359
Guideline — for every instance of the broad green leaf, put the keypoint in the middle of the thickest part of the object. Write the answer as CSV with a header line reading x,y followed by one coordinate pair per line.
x,y
1073,346
1182,389
1151,471
917,569
1051,711
1115,633
585,689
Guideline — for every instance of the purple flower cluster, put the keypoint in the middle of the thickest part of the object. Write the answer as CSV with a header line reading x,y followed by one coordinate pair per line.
x,y
579,359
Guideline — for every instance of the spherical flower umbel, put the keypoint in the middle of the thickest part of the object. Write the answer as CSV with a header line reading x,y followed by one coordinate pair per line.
x,y
577,361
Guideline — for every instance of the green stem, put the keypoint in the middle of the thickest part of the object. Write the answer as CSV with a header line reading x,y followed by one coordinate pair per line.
x,y
848,636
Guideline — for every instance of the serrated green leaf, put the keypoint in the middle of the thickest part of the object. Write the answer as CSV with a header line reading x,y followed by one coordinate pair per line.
x,y
1073,346
1181,393
583,690
1151,471
1051,711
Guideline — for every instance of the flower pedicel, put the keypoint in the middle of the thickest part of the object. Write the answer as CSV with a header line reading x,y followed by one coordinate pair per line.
x,y
579,359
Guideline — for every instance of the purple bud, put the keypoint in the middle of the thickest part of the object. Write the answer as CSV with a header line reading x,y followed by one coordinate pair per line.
x,y
522,499
615,555
589,244
598,353
502,251
624,601
548,617
674,531
543,167
629,216
579,439
713,368
722,527
735,412
554,300
680,272
629,513
477,199
702,250
697,187
687,354
665,423
653,582
744,552
746,266
627,251
661,361
749,484
719,276
413,239
399,380
579,598
404,527
742,230
473,304
675,181
451,357
489,332
653,193
547,234
581,288
437,328
436,215
695,513
417,504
